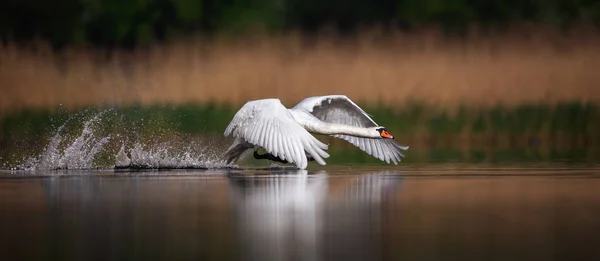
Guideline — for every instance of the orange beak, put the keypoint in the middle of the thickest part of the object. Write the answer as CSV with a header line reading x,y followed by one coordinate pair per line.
x,y
386,135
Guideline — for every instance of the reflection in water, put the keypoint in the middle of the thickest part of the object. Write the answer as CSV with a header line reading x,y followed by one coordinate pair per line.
x,y
115,218
295,215
286,217
279,217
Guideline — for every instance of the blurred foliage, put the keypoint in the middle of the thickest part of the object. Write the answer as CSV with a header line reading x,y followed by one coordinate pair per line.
x,y
138,22
567,132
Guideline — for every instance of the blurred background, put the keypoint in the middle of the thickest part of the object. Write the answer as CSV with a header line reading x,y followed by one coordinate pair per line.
x,y
459,81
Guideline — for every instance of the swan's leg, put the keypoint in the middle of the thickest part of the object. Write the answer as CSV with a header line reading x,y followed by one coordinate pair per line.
x,y
268,156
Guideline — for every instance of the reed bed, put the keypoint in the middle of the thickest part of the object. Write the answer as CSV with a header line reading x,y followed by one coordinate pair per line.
x,y
374,69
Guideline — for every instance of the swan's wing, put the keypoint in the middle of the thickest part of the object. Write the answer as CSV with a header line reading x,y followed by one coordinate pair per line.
x,y
340,109
268,124
384,149
337,109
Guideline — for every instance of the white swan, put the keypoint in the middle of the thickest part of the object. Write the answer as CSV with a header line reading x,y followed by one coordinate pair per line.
x,y
285,133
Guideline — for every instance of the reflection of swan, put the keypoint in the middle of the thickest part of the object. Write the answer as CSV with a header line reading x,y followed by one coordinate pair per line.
x,y
279,215
285,133
300,217
371,187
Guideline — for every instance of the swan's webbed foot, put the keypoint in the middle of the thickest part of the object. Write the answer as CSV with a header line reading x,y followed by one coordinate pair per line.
x,y
270,156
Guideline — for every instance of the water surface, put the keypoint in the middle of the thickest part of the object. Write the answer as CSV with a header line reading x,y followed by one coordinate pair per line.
x,y
335,213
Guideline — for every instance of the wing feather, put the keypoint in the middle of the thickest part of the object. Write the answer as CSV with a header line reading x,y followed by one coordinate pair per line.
x,y
341,110
261,134
270,139
268,124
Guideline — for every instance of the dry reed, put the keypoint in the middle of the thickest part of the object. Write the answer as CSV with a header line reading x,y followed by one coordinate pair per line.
x,y
376,69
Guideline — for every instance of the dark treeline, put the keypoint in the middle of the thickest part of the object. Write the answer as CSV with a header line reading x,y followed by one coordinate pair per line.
x,y
131,23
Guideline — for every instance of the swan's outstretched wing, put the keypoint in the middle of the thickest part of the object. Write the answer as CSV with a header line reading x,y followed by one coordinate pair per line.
x,y
340,109
268,124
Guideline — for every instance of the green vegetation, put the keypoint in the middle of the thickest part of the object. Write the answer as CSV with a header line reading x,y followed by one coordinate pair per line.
x,y
131,23
566,133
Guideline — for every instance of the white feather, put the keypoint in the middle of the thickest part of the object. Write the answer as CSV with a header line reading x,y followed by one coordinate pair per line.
x,y
268,124
285,133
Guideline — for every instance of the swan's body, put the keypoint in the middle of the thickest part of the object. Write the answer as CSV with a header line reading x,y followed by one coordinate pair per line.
x,y
286,133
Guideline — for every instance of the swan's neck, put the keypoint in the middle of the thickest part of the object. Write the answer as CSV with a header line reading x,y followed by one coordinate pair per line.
x,y
333,128
314,125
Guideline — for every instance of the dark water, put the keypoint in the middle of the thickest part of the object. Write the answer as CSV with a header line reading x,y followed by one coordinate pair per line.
x,y
333,214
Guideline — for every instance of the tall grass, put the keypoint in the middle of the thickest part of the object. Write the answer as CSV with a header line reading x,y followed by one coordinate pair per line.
x,y
503,69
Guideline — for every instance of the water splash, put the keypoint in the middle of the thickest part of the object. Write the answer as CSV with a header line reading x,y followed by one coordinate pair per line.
x,y
91,148
166,156
78,154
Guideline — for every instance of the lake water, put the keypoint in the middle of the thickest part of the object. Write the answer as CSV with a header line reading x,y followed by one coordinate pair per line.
x,y
336,213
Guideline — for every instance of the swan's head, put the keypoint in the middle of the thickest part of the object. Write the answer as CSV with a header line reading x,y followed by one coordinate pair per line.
x,y
384,133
